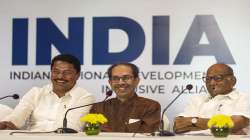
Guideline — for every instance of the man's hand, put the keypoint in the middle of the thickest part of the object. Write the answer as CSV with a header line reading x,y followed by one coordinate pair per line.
x,y
2,126
240,122
7,125
182,124
240,132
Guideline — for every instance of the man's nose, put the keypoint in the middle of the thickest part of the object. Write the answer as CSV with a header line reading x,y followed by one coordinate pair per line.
x,y
60,75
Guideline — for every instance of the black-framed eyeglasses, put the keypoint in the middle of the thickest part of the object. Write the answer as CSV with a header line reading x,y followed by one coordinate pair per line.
x,y
126,78
216,78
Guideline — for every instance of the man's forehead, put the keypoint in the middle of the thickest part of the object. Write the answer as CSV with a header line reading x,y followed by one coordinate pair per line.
x,y
122,69
62,65
217,69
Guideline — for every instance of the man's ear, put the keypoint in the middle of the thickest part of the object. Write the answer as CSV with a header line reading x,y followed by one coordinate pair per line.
x,y
78,75
233,79
137,80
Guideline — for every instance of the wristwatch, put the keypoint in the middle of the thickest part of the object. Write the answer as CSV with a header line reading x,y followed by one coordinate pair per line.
x,y
194,121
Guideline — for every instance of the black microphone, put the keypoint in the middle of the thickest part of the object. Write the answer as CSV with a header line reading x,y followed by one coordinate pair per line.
x,y
108,94
14,96
167,133
64,129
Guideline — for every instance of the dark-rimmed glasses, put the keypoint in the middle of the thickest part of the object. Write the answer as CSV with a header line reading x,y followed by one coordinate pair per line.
x,y
216,78
126,78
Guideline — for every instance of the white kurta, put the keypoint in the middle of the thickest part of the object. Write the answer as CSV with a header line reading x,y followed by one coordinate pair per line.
x,y
43,110
204,106
4,111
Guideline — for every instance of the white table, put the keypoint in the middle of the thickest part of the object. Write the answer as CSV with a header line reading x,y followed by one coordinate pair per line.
x,y
4,135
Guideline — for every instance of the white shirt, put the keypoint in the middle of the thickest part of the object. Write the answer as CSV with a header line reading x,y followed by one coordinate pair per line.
x,y
4,111
204,106
166,123
44,110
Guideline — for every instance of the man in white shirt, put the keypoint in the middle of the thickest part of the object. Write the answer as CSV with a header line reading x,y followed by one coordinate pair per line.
x,y
223,99
43,109
4,111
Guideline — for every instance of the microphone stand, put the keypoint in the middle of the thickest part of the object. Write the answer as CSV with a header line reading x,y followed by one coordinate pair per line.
x,y
64,129
162,131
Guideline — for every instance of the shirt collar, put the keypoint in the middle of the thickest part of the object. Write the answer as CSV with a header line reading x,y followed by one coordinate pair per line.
x,y
231,95
69,93
129,100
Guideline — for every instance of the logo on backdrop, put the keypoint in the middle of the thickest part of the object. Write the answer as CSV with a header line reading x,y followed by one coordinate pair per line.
x,y
48,35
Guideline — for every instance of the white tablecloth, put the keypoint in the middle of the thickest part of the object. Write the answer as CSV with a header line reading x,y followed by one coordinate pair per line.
x,y
5,135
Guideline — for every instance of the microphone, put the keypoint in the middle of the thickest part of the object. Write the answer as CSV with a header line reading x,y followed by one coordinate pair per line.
x,y
14,96
108,94
167,133
64,129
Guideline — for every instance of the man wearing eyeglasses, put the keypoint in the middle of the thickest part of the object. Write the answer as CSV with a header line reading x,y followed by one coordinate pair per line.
x,y
222,99
43,108
128,112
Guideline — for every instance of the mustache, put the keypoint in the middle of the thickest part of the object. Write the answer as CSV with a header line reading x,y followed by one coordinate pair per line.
x,y
60,80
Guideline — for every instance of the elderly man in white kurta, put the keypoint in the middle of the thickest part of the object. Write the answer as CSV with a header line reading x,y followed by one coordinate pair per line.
x,y
222,99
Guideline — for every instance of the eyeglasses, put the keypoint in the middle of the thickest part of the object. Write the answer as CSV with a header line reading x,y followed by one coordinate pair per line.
x,y
126,78
216,78
64,73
